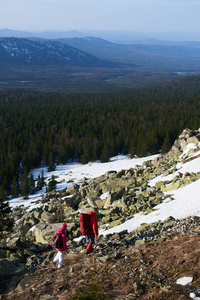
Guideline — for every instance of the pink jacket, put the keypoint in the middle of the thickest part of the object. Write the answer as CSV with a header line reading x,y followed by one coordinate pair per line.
x,y
64,237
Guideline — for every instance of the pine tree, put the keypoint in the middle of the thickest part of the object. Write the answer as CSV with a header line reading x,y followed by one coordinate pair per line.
x,y
51,165
6,221
43,178
166,144
31,184
15,188
40,181
25,184
105,155
52,184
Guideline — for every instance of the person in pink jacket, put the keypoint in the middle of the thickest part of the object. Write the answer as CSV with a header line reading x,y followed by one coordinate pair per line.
x,y
59,256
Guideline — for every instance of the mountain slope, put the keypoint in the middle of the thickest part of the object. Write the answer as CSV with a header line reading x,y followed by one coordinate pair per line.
x,y
145,272
141,263
137,53
24,51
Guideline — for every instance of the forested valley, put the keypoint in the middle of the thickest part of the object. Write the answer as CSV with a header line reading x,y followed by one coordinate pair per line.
x,y
40,128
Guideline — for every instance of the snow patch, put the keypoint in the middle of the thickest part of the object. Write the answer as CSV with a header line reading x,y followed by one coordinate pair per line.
x,y
104,196
184,280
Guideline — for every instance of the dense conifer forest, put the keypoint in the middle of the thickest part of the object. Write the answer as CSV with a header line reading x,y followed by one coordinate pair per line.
x,y
40,128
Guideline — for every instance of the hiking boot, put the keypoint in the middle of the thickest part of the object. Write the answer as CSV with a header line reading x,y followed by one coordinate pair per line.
x,y
59,267
89,252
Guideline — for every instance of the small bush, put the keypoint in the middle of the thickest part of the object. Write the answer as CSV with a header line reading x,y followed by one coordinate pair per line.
x,y
92,291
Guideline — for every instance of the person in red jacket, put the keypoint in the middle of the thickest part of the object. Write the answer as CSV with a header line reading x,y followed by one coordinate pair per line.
x,y
94,225
59,256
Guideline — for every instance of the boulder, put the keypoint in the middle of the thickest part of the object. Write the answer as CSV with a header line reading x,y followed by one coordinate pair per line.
x,y
91,202
73,189
139,242
73,200
15,243
26,280
108,202
194,139
161,184
116,222
47,217
8,269
172,186
44,231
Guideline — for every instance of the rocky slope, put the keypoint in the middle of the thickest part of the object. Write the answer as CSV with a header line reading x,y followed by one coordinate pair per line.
x,y
142,264
147,271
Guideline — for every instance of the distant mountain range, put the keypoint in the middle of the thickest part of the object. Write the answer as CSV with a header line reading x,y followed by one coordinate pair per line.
x,y
74,62
43,35
73,48
43,52
136,52
122,37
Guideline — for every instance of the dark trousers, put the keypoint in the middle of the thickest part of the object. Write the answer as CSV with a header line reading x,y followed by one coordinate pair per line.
x,y
90,241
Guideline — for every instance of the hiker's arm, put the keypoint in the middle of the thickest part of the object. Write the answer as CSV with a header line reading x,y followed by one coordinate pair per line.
x,y
64,237
95,227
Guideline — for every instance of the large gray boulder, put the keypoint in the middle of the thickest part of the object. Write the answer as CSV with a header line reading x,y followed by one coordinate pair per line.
x,y
44,232
8,269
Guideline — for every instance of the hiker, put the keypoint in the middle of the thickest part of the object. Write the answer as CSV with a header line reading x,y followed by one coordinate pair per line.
x,y
59,256
94,228
180,175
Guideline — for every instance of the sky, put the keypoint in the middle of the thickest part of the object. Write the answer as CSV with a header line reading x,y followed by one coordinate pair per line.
x,y
118,15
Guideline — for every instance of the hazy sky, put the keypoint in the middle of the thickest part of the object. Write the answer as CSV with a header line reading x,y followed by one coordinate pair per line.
x,y
129,15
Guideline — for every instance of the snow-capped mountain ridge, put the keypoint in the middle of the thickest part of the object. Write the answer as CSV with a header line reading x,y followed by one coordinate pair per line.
x,y
43,52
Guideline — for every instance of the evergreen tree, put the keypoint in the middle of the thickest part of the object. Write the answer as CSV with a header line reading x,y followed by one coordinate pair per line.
x,y
51,164
166,144
105,155
25,184
42,178
39,128
52,184
87,152
15,188
40,181
141,145
31,184
6,221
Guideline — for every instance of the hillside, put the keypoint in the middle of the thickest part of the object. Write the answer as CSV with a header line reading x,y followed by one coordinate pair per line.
x,y
87,63
49,65
56,128
146,272
149,231
44,52
156,55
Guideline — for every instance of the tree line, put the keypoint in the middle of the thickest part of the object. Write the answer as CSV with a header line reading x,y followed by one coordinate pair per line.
x,y
40,128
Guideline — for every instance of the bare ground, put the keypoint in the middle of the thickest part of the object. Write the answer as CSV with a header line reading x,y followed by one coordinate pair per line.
x,y
147,272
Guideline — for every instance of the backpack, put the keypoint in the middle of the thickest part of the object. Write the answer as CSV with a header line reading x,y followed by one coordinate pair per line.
x,y
85,227
57,242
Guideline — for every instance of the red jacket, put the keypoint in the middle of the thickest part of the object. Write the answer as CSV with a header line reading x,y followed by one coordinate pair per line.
x,y
93,223
64,240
